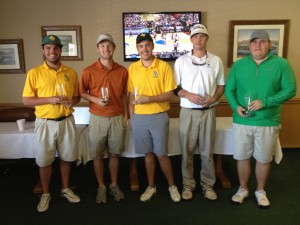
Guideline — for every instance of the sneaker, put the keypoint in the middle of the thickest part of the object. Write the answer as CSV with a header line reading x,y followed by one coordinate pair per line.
x,y
148,194
101,195
116,192
187,193
69,195
262,199
240,195
175,196
210,194
43,205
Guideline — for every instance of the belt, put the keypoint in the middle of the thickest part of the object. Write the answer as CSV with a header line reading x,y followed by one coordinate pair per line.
x,y
202,109
59,118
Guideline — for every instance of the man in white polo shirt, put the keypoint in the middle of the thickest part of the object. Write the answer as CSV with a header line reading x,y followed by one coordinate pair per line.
x,y
200,79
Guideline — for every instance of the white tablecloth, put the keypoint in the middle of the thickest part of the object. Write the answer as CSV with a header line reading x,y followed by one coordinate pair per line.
x,y
15,144
19,144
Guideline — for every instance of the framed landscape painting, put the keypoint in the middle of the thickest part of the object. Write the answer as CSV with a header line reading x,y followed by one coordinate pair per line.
x,y
12,56
241,30
70,37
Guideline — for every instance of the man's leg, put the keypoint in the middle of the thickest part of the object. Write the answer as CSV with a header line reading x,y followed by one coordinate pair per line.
x,y
114,168
150,168
262,171
98,169
133,174
244,171
66,192
166,167
45,176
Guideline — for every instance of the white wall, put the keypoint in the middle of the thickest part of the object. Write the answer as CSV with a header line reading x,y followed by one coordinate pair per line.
x,y
23,20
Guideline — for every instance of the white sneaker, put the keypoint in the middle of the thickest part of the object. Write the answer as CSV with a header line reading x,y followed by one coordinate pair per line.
x,y
187,193
69,195
262,199
43,205
175,196
240,195
148,194
210,194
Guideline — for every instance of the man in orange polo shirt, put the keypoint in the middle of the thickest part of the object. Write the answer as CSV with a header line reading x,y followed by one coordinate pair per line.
x,y
108,113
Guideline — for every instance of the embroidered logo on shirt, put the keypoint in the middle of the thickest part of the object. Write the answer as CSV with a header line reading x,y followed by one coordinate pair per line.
x,y
67,78
155,74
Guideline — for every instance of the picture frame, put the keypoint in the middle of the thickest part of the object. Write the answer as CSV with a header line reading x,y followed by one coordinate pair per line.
x,y
71,38
12,56
241,30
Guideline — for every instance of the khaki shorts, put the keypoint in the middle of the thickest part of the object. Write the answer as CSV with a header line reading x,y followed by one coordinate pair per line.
x,y
53,137
106,134
259,142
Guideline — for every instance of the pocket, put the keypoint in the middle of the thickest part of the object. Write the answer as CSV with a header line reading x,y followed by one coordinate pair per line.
x,y
38,123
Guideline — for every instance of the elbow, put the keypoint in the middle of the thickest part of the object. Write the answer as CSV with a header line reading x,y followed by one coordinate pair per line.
x,y
26,102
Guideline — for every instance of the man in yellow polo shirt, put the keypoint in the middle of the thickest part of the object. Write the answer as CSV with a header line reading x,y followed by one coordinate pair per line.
x,y
154,80
52,88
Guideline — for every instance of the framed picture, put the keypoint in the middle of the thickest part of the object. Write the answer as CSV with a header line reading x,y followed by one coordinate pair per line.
x,y
241,30
70,37
12,56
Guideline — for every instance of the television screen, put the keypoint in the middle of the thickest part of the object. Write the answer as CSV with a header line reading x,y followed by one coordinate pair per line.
x,y
170,32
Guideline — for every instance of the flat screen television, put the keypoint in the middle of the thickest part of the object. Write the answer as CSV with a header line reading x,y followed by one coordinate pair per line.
x,y
170,32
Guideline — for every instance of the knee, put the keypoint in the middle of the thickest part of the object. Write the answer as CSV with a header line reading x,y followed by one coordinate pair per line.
x,y
111,155
149,154
163,158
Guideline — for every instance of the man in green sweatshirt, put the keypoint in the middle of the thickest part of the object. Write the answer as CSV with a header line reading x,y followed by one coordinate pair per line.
x,y
269,80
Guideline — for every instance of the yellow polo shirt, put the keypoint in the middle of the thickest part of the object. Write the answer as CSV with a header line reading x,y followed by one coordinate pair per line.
x,y
41,82
154,80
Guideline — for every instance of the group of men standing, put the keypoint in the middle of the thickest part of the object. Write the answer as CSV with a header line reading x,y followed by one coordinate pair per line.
x,y
142,93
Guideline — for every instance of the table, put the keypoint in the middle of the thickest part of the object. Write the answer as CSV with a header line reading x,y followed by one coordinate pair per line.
x,y
223,140
223,146
19,144
15,144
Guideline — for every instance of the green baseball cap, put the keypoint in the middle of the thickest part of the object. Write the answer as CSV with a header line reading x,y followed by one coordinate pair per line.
x,y
52,39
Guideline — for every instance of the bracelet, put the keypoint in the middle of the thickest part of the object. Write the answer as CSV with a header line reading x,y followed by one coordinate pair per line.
x,y
177,90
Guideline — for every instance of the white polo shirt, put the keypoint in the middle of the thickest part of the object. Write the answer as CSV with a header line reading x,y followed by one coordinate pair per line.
x,y
198,79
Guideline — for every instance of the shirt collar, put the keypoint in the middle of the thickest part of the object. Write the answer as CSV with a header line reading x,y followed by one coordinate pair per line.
x,y
153,64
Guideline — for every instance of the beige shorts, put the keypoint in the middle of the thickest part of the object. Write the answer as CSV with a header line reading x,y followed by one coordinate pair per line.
x,y
106,134
53,137
259,142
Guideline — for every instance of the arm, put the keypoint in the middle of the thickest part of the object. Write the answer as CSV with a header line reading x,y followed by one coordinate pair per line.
x,y
90,98
34,101
130,104
218,94
231,95
288,88
69,103
125,107
230,90
165,97
194,98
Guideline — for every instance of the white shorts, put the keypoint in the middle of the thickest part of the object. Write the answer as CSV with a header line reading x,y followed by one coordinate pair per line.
x,y
259,142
